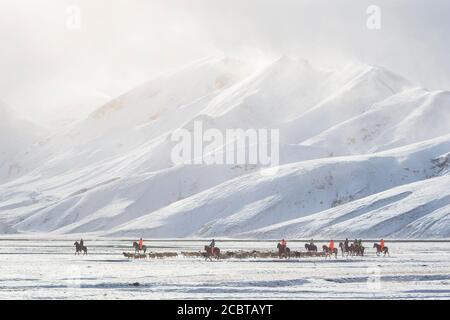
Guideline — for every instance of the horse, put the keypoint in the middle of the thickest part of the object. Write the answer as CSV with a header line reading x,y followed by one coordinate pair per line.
x,y
79,248
212,252
345,249
283,251
136,248
358,249
328,251
310,247
379,251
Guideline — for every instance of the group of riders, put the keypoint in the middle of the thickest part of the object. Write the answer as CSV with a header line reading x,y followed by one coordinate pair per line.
x,y
355,248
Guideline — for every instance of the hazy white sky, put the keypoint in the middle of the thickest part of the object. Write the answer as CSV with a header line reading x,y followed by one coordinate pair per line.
x,y
48,68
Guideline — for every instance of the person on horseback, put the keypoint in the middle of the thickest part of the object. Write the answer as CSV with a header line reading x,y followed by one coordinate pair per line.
x,y
141,243
81,243
212,245
346,244
382,244
331,246
283,243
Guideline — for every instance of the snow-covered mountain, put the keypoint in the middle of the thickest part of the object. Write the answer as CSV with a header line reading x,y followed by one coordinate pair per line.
x,y
17,135
363,152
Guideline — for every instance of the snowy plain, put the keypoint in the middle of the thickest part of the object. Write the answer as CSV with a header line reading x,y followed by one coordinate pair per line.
x,y
48,269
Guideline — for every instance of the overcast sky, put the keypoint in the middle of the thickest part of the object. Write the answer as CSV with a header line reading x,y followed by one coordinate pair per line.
x,y
49,66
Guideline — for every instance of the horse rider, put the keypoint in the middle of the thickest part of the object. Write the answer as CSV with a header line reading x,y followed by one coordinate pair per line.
x,y
311,243
81,243
346,244
283,244
382,244
331,246
141,243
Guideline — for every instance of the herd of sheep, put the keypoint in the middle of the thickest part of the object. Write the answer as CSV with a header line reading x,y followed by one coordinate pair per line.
x,y
223,255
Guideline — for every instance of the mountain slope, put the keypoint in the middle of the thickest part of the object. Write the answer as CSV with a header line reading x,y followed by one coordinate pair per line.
x,y
300,189
419,210
408,117
17,135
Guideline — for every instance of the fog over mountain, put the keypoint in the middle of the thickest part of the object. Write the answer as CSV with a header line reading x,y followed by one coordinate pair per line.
x,y
59,72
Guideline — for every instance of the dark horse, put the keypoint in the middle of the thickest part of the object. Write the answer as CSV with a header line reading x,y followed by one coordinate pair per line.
x,y
283,251
379,251
346,249
357,249
310,247
80,248
136,248
212,253
328,251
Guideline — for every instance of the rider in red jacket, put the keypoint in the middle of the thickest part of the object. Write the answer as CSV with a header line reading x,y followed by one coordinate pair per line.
x,y
331,245
382,244
141,243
